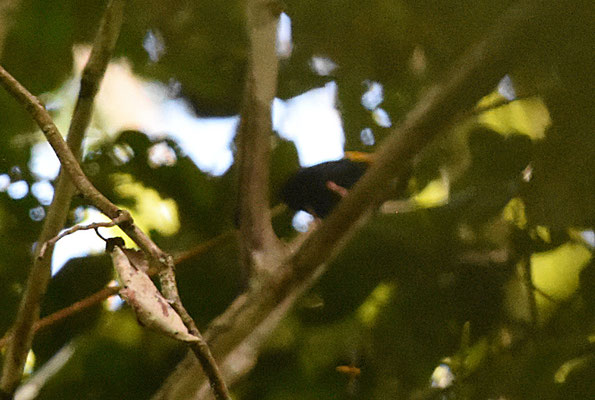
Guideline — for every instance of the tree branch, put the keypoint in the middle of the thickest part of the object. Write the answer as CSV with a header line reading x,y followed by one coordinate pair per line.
x,y
54,137
259,245
243,357
108,291
203,247
76,228
28,314
469,79
497,104
69,311
200,348
156,256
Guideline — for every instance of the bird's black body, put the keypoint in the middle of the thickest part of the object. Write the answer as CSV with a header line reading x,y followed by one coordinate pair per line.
x,y
308,189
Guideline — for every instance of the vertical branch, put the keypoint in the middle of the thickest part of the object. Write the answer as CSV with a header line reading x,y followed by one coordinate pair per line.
x,y
29,308
471,77
258,239
93,73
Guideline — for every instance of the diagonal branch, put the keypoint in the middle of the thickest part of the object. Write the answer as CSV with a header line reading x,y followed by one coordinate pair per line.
x,y
156,256
75,228
108,291
23,329
154,253
469,79
200,348
54,137
259,243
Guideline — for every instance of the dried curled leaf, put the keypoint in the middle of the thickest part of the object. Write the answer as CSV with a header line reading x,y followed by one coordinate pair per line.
x,y
151,308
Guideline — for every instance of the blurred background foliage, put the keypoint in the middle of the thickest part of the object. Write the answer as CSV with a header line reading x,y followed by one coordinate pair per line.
x,y
478,285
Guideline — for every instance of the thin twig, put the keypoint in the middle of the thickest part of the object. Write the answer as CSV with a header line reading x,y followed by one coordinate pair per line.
x,y
77,307
104,293
203,247
77,228
54,137
39,276
70,164
157,257
469,79
503,102
73,168
200,348
69,311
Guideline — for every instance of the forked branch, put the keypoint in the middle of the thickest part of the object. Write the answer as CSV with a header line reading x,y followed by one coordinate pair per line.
x,y
471,77
22,333
28,314
259,245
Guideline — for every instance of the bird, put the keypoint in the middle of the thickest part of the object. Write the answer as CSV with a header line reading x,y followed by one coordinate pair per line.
x,y
317,189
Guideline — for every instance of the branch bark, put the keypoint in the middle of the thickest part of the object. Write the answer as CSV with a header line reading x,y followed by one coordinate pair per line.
x,y
108,291
259,245
23,332
200,348
23,329
470,78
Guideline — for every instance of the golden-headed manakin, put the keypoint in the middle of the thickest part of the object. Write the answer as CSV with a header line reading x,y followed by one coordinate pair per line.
x,y
317,189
